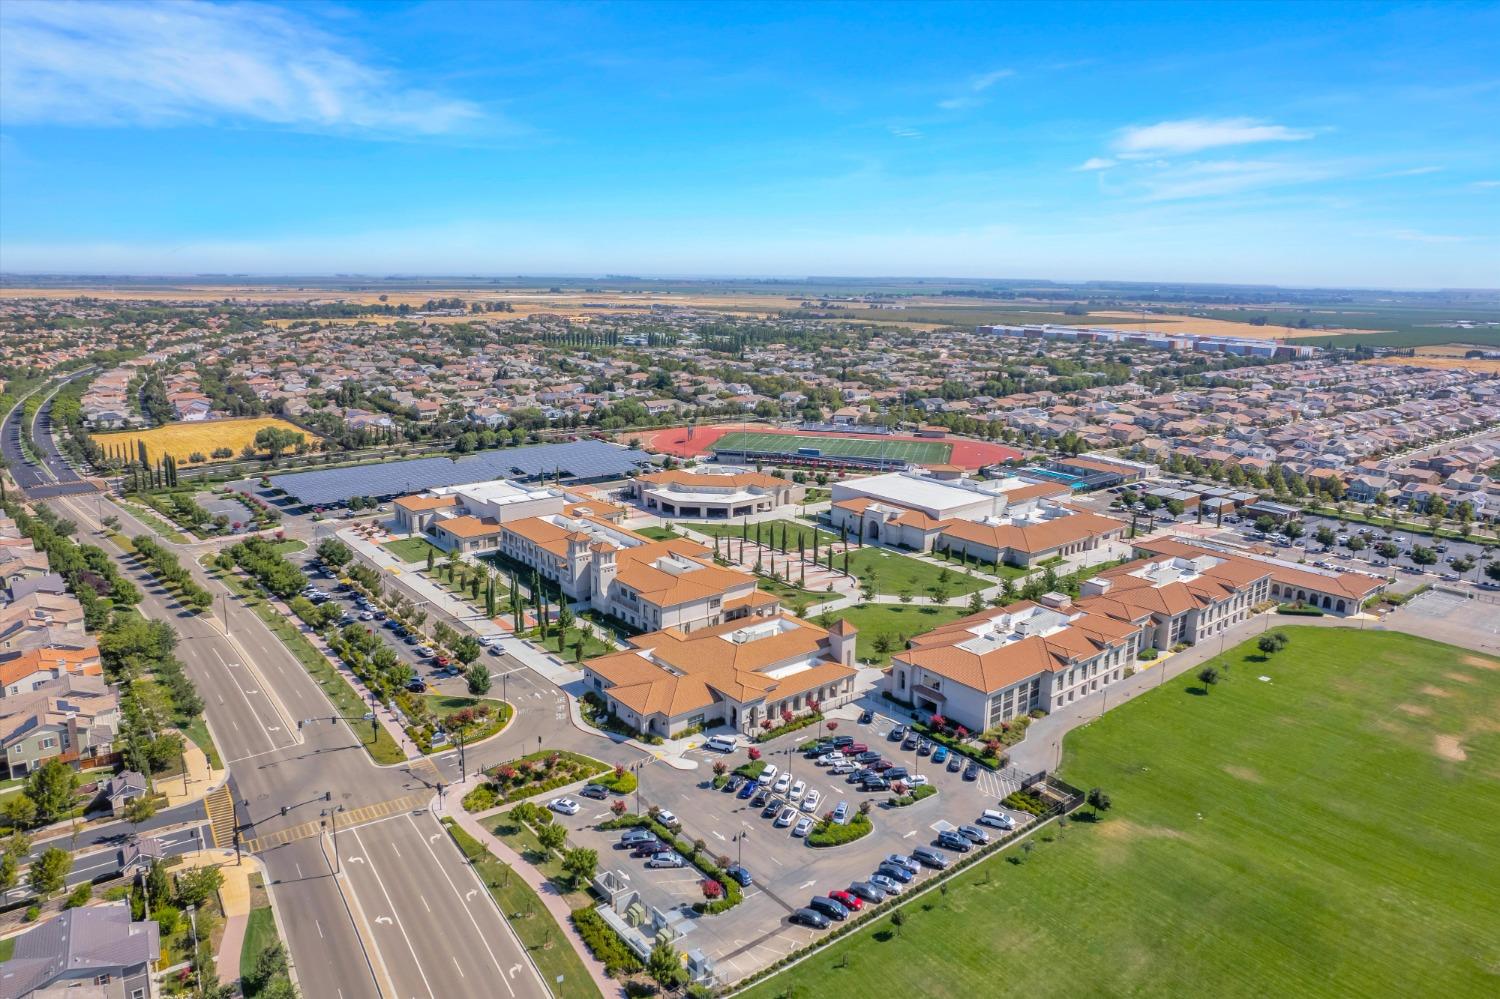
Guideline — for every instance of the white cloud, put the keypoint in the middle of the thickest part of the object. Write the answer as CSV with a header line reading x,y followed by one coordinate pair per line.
x,y
1217,178
1411,172
1096,163
144,62
1485,184
985,81
1190,135
976,86
904,132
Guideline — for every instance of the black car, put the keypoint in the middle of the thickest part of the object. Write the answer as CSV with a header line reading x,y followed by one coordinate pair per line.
x,y
924,748
875,784
897,773
810,917
595,791
772,807
911,742
649,850
867,891
898,733
734,783
897,873
955,763
760,799
831,908
839,742
866,716
972,773
929,857
955,841
868,756
416,685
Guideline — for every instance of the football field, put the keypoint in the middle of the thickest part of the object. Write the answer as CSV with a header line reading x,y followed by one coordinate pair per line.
x,y
916,452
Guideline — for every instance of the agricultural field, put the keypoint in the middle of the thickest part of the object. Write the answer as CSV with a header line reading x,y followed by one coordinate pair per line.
x,y
1289,833
183,440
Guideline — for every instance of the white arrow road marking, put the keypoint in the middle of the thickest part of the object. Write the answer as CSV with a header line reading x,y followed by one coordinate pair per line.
x,y
433,837
383,919
717,835
513,969
356,860
807,884
470,893
274,728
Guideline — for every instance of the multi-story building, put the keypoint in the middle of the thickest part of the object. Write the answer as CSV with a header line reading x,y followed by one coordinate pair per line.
x,y
74,718
97,951
746,675
24,671
708,493
997,664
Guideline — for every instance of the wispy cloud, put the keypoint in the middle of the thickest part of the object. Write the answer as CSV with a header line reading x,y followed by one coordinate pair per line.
x,y
974,90
152,63
1097,163
1218,178
1485,184
1410,172
1190,135
904,131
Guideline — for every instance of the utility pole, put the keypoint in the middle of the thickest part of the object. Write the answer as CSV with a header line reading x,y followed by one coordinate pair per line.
x,y
224,597
198,970
332,814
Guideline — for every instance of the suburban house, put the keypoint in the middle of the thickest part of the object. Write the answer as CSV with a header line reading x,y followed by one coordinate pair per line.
x,y
712,494
997,664
748,675
74,718
649,585
24,671
94,952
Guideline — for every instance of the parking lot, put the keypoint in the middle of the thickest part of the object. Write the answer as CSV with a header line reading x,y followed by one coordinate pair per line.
x,y
786,871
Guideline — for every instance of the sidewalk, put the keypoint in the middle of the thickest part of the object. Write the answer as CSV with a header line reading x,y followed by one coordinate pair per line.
x,y
558,909
200,778
234,898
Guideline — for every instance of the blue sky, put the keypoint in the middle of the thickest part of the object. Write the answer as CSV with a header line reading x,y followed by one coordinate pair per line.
x,y
1295,144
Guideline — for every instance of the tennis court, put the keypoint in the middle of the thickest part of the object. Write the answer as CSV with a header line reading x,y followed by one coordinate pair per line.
x,y
872,448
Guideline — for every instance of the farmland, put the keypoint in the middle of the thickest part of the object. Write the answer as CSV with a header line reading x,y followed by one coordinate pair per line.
x,y
183,440
1282,835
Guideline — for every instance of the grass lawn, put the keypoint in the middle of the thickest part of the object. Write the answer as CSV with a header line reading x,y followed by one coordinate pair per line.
x,y
538,931
442,706
899,621
197,730
519,837
381,747
413,550
260,935
289,546
593,645
7,948
793,597
657,533
1288,837
892,571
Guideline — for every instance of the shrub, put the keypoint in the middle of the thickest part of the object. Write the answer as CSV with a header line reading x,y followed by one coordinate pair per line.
x,y
480,799
917,794
790,725
829,833
1025,801
605,944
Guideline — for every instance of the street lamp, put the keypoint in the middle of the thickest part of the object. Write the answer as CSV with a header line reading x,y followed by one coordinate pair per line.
x,y
332,814
193,922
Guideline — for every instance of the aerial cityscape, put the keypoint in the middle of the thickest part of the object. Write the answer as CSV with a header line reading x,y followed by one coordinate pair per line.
x,y
767,500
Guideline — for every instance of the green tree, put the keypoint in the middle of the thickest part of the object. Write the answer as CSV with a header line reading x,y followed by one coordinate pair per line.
x,y
580,863
478,678
334,552
665,965
1098,801
48,871
51,786
19,810
195,886
1208,676
139,810
467,649
552,836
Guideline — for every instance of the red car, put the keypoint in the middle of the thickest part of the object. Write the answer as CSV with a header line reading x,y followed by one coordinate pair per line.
x,y
851,902
441,659
856,749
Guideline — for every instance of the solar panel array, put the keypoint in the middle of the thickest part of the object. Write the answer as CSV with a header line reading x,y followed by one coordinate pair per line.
x,y
586,459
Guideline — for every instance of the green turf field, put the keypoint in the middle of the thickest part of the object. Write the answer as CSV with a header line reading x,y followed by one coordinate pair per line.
x,y
1326,831
918,452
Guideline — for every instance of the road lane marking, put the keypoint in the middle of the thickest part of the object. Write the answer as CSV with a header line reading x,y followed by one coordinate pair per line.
x,y
320,929
381,884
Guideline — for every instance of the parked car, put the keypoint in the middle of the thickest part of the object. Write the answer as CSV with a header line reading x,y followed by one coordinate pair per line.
x,y
949,839
841,812
667,860
566,806
868,756
783,784
855,748
999,820
924,748
929,857
650,849
829,908
940,754
839,742
772,807
972,772
867,892
741,875
417,685
810,917
798,789
898,874
955,763
881,765
974,834
811,800
733,784
635,836
785,818
667,819
886,884
595,791
747,789
898,733
875,784
866,716
803,827
903,862
760,799
897,773
911,741
843,768
829,759
848,900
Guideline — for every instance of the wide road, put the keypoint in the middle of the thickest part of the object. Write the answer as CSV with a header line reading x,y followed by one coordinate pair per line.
x,y
255,694
53,470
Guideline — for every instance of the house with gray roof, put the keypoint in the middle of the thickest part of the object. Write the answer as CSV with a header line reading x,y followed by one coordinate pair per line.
x,y
94,951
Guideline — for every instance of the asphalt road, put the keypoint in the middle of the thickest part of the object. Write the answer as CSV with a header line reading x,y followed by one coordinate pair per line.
x,y
52,476
104,861
255,693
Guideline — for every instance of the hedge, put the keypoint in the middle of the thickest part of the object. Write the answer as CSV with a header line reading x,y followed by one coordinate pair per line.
x,y
733,896
791,726
830,833
605,944
751,770
1025,801
1299,610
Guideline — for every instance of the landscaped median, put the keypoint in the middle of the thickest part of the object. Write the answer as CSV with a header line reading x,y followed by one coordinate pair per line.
x,y
830,833
529,918
539,773
695,853
346,700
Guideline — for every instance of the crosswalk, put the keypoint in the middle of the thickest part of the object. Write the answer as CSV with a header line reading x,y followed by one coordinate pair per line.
x,y
352,817
220,808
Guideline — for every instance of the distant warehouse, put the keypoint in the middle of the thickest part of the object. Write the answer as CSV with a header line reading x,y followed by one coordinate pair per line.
x,y
574,461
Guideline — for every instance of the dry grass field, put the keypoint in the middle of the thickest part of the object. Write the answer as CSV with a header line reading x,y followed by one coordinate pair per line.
x,y
182,440
1213,327
1433,361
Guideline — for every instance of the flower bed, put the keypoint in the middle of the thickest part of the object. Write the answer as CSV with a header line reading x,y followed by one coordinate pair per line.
x,y
1302,610
830,833
531,775
911,798
791,726
959,741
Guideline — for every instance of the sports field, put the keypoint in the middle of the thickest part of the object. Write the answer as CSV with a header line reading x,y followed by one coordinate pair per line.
x,y
1320,824
183,440
917,452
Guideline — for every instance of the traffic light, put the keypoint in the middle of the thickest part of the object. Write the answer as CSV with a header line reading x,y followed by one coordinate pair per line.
x,y
283,809
327,795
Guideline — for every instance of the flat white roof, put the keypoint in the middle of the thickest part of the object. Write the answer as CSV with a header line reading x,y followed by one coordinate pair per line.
x,y
936,498
497,492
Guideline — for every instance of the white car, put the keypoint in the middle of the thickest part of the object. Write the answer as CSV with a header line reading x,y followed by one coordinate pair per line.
x,y
767,775
828,759
810,803
566,806
916,780
667,819
999,820
666,860
490,641
782,783
798,790
888,885
785,818
803,828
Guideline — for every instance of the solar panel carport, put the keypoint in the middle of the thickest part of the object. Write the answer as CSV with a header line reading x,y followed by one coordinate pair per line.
x,y
579,461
